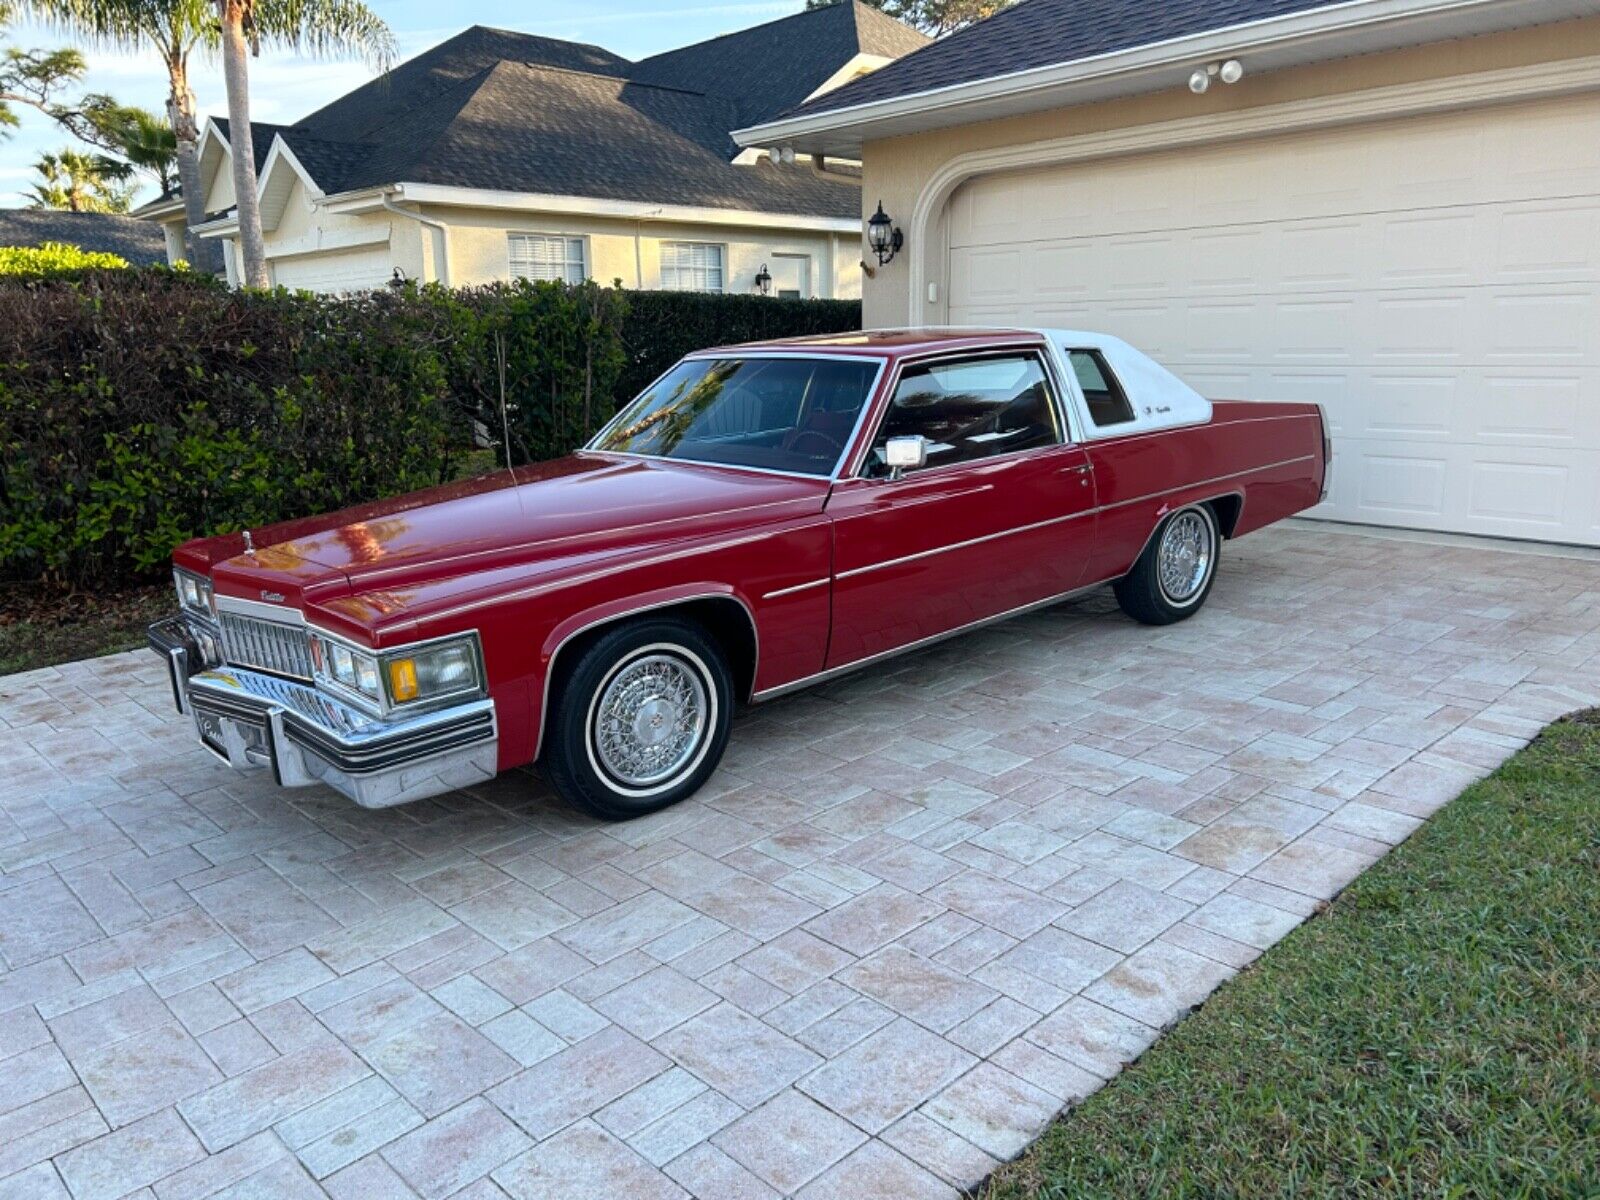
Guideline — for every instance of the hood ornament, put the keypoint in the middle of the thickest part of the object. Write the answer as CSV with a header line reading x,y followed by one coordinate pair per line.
x,y
249,545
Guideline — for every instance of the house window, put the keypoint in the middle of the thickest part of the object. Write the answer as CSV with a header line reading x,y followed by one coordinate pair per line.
x,y
691,266
1107,404
541,256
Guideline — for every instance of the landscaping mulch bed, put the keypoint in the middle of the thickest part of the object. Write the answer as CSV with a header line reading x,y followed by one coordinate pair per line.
x,y
1434,1032
41,624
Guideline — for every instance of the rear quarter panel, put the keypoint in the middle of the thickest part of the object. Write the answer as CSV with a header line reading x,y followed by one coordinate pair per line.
x,y
1268,454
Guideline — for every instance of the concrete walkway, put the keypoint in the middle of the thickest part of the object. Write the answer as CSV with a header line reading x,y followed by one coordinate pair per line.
x,y
916,914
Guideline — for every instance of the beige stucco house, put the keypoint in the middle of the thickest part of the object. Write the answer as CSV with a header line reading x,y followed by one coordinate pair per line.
x,y
1391,207
500,154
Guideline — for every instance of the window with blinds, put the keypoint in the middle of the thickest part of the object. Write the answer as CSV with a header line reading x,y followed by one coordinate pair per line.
x,y
541,256
691,266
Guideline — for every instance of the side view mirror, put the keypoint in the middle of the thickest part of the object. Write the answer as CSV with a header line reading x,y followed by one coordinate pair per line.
x,y
902,454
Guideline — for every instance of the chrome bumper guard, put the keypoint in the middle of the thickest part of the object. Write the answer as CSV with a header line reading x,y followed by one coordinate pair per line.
x,y
253,720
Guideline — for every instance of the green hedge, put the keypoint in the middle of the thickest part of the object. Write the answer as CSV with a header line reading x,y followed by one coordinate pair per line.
x,y
139,408
664,326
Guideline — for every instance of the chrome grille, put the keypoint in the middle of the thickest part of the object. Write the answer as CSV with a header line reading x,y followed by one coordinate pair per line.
x,y
265,645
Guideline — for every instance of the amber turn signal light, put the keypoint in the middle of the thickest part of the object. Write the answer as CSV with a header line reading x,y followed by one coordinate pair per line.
x,y
403,680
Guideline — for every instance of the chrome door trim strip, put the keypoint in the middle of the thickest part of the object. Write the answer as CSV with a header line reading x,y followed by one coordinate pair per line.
x,y
799,587
977,541
1088,512
783,689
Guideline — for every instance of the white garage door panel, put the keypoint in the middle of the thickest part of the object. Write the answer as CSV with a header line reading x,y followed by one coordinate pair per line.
x,y
345,271
1433,283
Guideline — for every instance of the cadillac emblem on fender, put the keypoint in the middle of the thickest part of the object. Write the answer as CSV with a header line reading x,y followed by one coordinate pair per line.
x,y
762,517
272,597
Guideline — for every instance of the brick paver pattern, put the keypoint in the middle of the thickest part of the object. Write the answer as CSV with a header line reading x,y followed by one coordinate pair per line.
x,y
916,913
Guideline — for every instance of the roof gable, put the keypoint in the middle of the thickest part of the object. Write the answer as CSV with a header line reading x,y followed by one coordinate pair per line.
x,y
770,68
357,115
596,136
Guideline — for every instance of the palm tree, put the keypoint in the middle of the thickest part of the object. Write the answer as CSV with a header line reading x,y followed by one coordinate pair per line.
x,y
317,26
78,182
174,28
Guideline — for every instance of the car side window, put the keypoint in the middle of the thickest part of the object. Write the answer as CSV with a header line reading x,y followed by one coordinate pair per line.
x,y
1108,405
970,408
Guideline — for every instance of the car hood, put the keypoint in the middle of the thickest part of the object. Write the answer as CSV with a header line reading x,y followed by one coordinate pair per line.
x,y
583,506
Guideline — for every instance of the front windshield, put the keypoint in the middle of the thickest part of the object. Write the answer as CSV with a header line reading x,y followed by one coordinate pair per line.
x,y
781,414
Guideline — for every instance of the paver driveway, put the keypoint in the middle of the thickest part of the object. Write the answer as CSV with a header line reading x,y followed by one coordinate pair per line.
x,y
915,914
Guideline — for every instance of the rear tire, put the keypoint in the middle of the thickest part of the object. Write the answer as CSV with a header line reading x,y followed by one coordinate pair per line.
x,y
1174,575
641,720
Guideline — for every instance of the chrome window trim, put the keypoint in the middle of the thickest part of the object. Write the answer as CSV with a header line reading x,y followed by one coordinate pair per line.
x,y
1040,349
592,446
550,667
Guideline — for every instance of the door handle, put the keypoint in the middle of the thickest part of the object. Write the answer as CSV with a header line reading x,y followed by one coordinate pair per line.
x,y
1080,469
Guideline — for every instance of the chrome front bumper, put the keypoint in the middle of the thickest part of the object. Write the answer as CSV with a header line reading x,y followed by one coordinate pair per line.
x,y
252,720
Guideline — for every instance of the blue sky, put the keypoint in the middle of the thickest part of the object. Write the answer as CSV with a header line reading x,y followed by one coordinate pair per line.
x,y
285,87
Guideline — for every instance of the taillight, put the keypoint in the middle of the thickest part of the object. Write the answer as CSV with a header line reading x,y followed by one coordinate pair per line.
x,y
1327,453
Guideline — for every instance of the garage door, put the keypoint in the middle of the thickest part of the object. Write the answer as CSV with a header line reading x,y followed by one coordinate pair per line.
x,y
1433,282
344,271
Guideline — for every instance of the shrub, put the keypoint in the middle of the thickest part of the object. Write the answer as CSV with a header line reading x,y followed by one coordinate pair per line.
x,y
139,408
54,258
664,326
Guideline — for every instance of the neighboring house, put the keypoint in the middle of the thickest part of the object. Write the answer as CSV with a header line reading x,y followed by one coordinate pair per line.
x,y
1395,211
499,154
135,240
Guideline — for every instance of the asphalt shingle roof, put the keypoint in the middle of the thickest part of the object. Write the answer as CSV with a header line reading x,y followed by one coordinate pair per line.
x,y
492,108
1041,33
140,242
773,67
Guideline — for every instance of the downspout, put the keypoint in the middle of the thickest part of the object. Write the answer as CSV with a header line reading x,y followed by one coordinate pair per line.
x,y
430,223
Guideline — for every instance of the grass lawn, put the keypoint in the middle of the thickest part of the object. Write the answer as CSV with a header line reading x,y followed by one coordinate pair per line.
x,y
1435,1032
40,627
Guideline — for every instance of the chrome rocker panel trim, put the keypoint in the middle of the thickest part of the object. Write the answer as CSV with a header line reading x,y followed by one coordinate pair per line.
x,y
252,720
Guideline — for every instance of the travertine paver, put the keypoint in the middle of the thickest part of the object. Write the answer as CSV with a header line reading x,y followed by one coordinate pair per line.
x,y
915,914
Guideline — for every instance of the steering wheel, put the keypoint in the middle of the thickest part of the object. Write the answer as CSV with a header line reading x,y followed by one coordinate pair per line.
x,y
821,445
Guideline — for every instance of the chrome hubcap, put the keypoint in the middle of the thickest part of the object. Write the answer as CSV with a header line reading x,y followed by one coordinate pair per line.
x,y
1184,560
650,720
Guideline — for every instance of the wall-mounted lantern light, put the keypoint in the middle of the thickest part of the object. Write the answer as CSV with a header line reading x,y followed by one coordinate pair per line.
x,y
882,235
764,280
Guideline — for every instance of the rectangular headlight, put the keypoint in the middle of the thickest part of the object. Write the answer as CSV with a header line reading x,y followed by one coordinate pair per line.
x,y
345,667
448,667
194,593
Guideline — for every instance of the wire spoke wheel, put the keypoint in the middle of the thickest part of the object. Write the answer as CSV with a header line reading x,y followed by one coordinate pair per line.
x,y
1183,561
650,719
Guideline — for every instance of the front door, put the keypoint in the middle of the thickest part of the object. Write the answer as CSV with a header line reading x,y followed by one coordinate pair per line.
x,y
1001,517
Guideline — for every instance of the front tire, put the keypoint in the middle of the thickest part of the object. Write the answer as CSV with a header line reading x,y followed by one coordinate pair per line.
x,y
1174,575
641,720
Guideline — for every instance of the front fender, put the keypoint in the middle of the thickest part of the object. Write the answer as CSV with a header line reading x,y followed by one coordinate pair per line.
x,y
613,610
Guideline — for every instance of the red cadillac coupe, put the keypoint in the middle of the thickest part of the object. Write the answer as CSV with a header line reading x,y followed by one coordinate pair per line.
x,y
761,518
